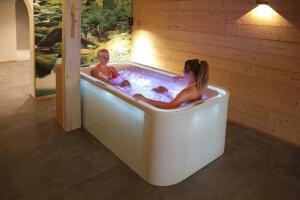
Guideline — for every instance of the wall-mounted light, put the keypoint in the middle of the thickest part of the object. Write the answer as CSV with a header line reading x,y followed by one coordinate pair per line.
x,y
264,14
262,2
263,9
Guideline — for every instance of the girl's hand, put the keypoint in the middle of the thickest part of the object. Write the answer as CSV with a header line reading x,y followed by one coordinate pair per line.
x,y
125,83
160,89
139,97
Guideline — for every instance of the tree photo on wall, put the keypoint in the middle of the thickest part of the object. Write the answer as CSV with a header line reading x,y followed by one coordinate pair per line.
x,y
48,43
104,24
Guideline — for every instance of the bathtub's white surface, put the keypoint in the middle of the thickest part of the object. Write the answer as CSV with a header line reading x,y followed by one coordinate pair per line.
x,y
163,146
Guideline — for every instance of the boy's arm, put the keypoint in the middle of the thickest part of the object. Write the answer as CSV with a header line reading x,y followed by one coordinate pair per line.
x,y
115,71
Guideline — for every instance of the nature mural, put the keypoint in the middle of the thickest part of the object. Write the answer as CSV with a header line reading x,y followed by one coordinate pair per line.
x,y
104,24
48,44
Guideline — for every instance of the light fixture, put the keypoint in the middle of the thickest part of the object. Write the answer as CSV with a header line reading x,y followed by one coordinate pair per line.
x,y
263,10
262,2
263,14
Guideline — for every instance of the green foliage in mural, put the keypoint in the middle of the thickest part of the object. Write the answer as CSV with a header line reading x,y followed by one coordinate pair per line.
x,y
113,15
48,40
44,64
45,92
84,59
97,20
105,25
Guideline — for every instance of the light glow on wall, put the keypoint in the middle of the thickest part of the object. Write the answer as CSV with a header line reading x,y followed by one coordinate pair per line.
x,y
142,48
263,11
264,14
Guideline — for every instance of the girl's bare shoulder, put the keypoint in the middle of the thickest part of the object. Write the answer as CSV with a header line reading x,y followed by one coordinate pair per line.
x,y
192,92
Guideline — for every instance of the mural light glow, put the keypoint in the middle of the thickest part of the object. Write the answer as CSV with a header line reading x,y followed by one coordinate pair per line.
x,y
142,49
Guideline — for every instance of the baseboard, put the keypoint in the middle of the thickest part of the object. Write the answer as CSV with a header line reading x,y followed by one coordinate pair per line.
x,y
265,133
8,61
23,55
52,96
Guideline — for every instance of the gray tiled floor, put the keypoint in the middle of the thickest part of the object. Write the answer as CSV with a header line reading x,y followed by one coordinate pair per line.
x,y
39,161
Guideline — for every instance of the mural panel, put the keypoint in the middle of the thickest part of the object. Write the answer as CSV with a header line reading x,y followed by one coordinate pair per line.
x,y
48,44
104,24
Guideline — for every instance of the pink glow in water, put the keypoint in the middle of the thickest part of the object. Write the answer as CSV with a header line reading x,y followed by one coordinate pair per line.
x,y
143,81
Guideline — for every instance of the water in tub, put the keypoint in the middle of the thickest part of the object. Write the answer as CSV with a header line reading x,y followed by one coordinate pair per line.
x,y
143,81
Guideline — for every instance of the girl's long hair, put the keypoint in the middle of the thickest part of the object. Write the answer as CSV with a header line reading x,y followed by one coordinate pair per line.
x,y
200,71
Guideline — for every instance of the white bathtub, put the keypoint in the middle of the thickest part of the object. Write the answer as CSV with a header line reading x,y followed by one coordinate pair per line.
x,y
162,146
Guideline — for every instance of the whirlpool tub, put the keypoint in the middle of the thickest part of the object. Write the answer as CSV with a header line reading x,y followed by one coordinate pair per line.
x,y
163,146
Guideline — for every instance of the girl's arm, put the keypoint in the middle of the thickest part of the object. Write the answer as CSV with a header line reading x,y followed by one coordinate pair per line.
x,y
183,96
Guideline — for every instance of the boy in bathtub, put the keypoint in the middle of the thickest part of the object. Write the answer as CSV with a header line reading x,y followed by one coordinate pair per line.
x,y
105,73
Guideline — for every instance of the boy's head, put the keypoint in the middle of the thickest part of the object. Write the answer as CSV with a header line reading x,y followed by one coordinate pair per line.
x,y
103,56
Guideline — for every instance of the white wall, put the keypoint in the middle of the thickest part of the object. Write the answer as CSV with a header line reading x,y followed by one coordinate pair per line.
x,y
22,21
29,5
8,42
8,35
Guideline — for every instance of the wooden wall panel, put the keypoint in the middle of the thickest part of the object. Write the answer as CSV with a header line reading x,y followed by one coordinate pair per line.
x,y
258,60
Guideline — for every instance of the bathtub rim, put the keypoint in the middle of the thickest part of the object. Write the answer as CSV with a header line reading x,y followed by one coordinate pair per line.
x,y
156,69
141,104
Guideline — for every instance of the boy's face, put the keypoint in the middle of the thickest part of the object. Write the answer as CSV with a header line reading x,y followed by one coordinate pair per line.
x,y
103,58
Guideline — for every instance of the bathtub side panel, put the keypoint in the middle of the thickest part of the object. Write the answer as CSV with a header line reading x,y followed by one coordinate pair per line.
x,y
181,143
115,123
206,134
165,148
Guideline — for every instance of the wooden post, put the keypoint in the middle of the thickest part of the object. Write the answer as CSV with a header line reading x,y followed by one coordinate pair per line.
x,y
68,88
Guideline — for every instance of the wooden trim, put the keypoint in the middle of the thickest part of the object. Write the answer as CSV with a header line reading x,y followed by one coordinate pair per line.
x,y
8,61
60,115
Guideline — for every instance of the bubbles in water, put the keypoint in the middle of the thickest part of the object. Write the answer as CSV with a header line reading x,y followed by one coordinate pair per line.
x,y
143,81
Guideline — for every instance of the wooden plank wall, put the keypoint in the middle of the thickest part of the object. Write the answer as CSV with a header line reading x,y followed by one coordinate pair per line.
x,y
257,60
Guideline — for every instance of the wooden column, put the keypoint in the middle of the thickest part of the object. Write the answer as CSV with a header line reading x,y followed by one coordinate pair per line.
x,y
68,77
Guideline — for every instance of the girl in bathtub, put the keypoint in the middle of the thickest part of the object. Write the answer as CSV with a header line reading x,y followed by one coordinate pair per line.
x,y
105,73
197,73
